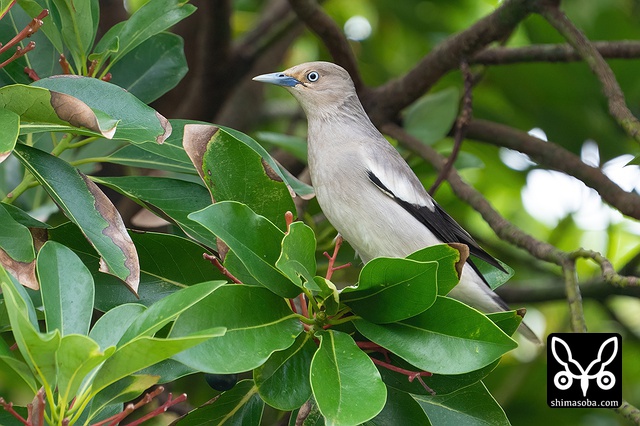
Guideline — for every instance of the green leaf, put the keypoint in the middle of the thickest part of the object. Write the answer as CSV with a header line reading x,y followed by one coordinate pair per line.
x,y
8,363
137,122
85,205
76,357
67,291
168,309
450,258
448,338
257,321
471,406
37,349
10,125
170,198
15,238
111,326
152,18
494,276
253,238
145,351
78,25
392,289
283,380
298,256
134,156
400,409
153,68
508,321
345,382
430,118
43,110
233,171
239,406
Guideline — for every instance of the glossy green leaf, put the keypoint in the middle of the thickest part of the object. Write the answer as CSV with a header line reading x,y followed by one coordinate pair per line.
x,y
234,171
346,384
448,338
392,289
10,125
257,321
400,409
167,264
152,18
85,205
76,357
145,351
298,257
172,149
167,309
431,118
111,326
450,261
283,380
37,349
78,26
15,238
43,110
239,406
508,321
494,276
137,122
153,68
292,144
8,362
253,238
67,290
171,198
472,405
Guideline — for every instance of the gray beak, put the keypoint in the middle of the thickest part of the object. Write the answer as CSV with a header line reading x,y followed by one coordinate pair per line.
x,y
277,78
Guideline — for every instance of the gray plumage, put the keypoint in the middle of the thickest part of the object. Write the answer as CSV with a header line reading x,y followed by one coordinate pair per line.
x,y
366,189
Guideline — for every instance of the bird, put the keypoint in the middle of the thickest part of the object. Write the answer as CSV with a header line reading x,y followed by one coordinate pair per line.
x,y
367,190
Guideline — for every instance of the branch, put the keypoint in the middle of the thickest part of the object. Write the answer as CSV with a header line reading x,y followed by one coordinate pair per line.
x,y
610,87
393,96
331,35
553,290
627,49
553,156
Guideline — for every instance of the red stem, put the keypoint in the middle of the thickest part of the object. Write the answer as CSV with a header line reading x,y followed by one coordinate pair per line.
x,y
332,259
8,406
214,260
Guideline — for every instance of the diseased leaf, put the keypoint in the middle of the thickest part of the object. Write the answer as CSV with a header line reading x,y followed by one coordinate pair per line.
x,y
43,110
86,205
137,122
17,253
233,171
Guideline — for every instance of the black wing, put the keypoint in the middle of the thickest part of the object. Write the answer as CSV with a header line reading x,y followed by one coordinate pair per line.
x,y
443,226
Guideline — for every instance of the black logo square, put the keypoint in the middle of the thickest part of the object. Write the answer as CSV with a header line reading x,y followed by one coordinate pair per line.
x,y
584,370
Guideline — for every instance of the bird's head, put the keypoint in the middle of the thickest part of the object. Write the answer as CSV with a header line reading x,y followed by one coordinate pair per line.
x,y
319,87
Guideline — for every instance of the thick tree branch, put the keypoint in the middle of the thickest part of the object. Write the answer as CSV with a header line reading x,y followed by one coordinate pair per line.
x,y
610,87
553,156
626,49
388,99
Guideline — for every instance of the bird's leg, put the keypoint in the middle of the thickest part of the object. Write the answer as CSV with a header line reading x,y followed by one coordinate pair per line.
x,y
332,259
215,262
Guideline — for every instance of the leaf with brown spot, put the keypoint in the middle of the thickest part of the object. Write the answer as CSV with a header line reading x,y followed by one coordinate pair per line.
x,y
17,253
42,110
86,206
24,272
233,170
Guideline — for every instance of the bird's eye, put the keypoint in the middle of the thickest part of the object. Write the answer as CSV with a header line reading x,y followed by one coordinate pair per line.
x,y
313,76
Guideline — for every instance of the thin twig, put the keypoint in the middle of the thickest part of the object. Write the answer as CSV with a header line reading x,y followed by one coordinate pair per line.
x,y
8,406
215,262
332,258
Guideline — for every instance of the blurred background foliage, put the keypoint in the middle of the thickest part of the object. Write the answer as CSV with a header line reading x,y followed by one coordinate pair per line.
x,y
563,101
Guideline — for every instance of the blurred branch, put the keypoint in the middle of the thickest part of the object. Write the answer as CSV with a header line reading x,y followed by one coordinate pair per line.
x,y
574,297
555,157
554,290
617,104
331,35
626,49
396,94
629,412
